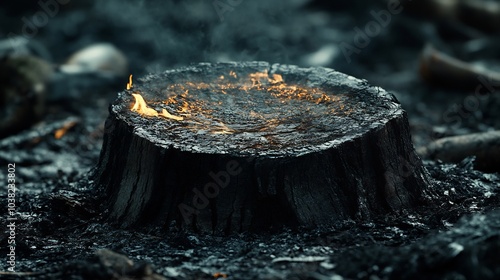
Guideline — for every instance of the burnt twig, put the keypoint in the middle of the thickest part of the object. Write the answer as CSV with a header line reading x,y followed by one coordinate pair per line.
x,y
441,69
485,146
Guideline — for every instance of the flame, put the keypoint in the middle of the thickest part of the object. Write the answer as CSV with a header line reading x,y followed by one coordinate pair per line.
x,y
167,115
201,113
142,108
277,78
258,78
129,84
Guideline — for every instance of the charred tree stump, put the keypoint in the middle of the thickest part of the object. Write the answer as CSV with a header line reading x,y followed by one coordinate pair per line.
x,y
244,146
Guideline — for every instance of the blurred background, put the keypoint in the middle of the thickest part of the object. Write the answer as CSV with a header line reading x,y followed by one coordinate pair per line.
x,y
430,53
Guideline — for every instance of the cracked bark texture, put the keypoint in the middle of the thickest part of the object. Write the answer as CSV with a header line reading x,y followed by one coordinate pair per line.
x,y
336,148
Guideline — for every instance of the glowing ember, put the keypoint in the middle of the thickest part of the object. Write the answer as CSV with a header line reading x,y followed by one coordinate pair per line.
x,y
203,118
166,114
258,77
58,134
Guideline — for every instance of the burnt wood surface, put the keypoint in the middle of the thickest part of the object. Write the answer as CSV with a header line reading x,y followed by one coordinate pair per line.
x,y
254,152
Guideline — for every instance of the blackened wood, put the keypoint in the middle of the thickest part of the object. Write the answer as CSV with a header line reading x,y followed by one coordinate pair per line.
x,y
258,157
443,70
485,146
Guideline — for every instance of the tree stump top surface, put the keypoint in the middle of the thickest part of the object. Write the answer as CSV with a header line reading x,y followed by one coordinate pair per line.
x,y
255,108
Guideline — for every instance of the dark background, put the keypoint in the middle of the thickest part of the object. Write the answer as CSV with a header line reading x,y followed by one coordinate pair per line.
x,y
158,35
58,238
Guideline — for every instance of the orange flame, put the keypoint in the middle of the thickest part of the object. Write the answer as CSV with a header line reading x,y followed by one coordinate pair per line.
x,y
167,115
129,84
58,134
258,77
178,97
142,108
277,78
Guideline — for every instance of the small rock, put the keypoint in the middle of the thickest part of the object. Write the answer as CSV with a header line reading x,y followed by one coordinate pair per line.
x,y
23,82
102,57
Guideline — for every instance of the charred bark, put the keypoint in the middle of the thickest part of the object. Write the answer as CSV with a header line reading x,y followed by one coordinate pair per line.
x,y
311,150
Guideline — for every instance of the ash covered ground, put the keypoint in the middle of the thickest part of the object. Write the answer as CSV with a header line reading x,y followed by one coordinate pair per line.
x,y
62,233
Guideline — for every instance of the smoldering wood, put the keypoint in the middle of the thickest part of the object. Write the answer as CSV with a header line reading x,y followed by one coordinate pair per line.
x,y
484,146
40,131
292,160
